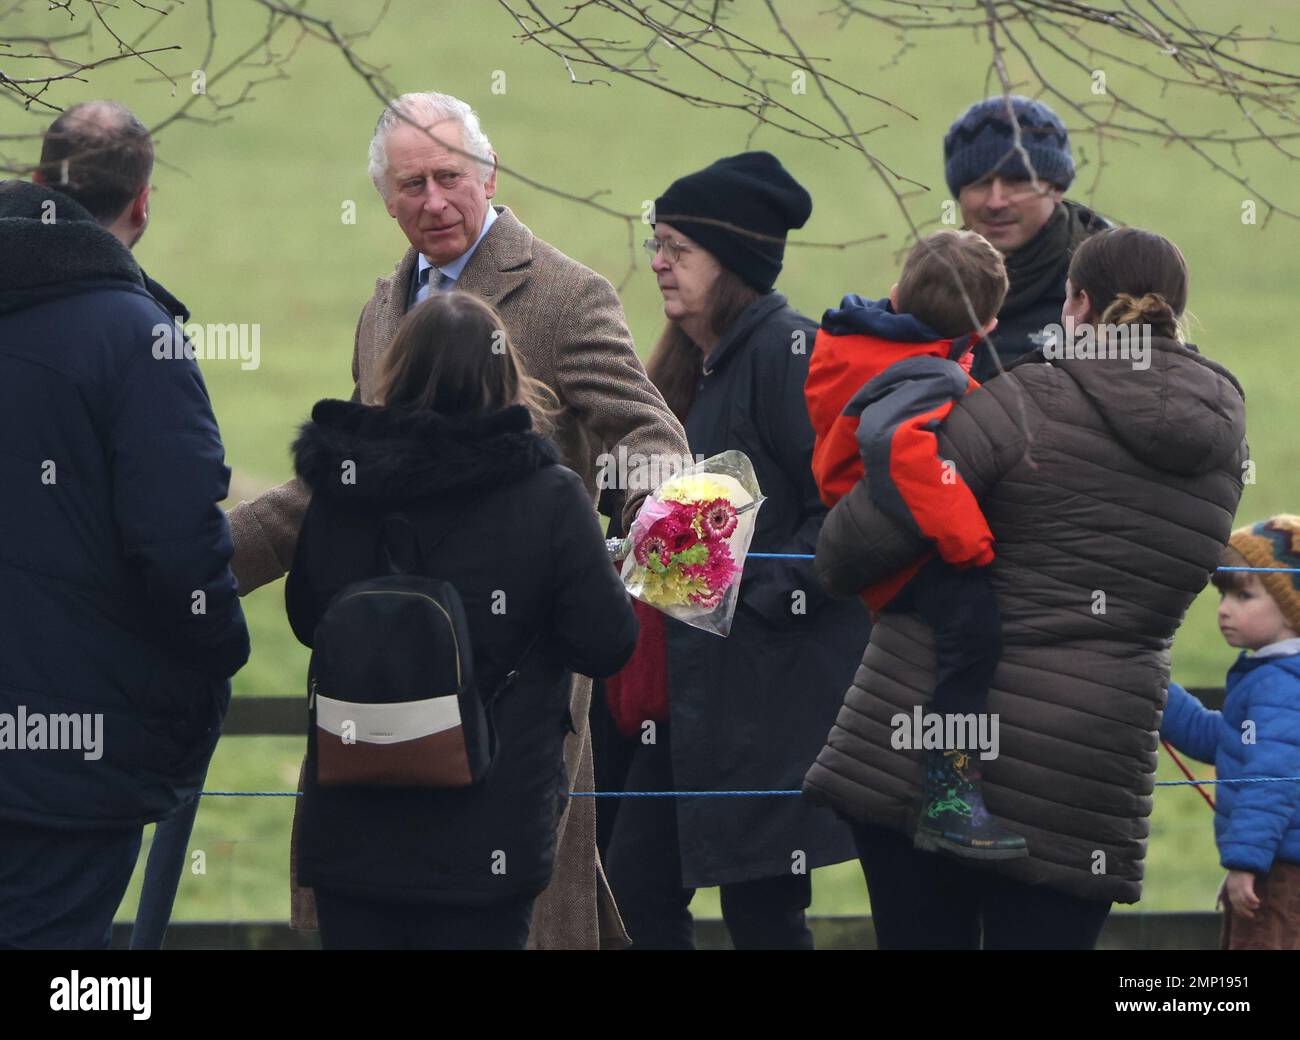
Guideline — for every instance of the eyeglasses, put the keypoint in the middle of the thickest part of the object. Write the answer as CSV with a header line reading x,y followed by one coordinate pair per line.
x,y
673,249
1014,189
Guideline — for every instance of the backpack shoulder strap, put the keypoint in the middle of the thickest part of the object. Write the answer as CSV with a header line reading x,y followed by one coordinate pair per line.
x,y
509,680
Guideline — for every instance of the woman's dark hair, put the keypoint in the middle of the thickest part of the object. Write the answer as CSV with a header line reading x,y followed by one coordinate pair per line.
x,y
452,355
1132,276
676,363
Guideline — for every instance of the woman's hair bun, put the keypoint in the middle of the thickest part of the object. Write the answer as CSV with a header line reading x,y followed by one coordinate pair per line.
x,y
1150,309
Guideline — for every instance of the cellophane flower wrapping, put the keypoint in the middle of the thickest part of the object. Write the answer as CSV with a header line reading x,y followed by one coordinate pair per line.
x,y
689,542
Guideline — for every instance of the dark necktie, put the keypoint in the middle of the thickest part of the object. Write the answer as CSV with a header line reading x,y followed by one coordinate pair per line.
x,y
433,278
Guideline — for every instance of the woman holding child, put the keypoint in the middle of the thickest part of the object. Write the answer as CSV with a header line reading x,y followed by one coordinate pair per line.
x,y
1110,490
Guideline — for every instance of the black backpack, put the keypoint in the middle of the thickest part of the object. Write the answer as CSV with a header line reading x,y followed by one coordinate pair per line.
x,y
393,700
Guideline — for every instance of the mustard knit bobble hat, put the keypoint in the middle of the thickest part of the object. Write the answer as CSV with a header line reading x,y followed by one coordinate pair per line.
x,y
1275,542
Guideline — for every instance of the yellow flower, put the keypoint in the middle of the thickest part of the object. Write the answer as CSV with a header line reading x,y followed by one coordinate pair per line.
x,y
671,589
698,487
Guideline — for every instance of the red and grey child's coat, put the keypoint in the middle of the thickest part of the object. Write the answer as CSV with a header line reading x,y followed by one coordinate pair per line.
x,y
879,384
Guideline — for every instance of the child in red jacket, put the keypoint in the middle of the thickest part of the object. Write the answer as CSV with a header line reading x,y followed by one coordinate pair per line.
x,y
882,377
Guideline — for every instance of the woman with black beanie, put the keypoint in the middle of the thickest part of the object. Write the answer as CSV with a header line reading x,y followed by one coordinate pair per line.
x,y
748,712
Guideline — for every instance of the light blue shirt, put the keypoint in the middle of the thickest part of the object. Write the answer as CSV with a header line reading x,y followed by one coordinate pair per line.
x,y
450,273
1284,646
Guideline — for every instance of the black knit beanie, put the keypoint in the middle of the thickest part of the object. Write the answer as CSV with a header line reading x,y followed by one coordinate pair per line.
x,y
752,191
981,141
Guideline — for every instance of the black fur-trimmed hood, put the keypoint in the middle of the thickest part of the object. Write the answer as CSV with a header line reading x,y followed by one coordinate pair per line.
x,y
40,260
364,453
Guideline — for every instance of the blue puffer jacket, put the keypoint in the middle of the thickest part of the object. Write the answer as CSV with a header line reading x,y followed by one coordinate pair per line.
x,y
116,595
1254,824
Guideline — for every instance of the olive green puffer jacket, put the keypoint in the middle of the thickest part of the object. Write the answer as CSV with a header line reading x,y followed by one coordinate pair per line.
x,y
1110,491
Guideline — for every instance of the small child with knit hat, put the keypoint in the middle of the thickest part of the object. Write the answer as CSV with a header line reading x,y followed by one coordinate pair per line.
x,y
1257,734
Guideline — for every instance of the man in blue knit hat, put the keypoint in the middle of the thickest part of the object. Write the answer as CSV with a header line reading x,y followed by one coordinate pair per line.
x,y
1012,191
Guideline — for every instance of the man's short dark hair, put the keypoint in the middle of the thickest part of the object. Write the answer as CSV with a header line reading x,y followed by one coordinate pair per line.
x,y
99,154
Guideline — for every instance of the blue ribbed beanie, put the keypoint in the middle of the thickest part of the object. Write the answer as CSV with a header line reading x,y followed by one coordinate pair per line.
x,y
981,141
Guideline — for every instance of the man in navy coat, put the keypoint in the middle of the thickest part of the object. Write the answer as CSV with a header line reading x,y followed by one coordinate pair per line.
x,y
119,621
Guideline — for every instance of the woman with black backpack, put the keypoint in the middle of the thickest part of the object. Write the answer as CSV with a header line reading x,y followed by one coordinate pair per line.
x,y
438,519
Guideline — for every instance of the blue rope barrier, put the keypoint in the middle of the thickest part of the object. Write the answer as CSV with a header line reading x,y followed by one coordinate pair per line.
x,y
810,556
1236,780
751,794
1282,570
779,556
679,794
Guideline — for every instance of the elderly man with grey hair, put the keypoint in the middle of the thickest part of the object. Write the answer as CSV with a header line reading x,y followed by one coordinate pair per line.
x,y
436,172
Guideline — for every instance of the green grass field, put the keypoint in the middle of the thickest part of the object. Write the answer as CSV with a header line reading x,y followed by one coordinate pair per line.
x,y
247,227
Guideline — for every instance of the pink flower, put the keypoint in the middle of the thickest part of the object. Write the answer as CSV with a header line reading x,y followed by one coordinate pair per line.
x,y
666,536
679,535
652,545
718,574
651,510
677,523
718,518
708,602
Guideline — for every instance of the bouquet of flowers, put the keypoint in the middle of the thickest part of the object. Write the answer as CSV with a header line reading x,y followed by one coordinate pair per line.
x,y
687,545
